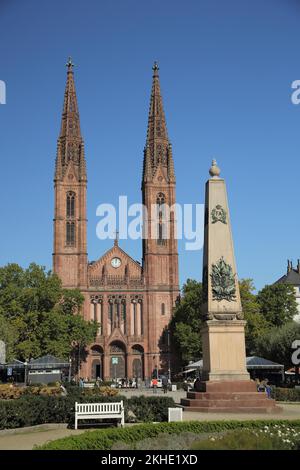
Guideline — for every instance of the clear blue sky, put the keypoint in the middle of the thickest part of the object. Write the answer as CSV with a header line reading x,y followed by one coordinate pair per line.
x,y
226,70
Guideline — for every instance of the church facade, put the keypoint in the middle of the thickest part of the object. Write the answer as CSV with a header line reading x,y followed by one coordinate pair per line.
x,y
131,302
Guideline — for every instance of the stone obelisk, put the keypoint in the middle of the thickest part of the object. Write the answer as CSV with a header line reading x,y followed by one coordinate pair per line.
x,y
226,384
223,336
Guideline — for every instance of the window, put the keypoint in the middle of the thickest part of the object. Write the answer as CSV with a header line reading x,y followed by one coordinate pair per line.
x,y
70,233
163,309
71,204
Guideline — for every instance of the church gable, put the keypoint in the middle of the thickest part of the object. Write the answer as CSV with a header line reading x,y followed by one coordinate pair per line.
x,y
115,267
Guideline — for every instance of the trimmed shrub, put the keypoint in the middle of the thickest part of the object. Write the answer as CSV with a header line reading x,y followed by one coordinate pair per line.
x,y
105,439
149,409
285,394
30,410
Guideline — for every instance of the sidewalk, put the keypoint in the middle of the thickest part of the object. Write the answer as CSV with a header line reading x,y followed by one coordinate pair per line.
x,y
26,439
289,412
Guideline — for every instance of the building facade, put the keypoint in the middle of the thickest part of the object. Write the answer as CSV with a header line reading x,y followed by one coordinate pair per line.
x,y
132,302
292,277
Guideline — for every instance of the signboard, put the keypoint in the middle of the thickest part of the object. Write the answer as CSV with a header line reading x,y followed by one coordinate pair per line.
x,y
174,414
114,360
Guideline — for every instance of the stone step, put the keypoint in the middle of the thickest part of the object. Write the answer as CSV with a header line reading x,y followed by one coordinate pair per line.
x,y
227,403
271,409
226,395
229,386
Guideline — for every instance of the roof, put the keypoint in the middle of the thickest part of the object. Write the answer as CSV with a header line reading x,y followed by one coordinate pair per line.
x,y
253,362
47,362
44,362
292,277
15,364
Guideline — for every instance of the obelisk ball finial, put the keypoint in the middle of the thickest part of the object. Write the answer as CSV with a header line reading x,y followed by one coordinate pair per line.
x,y
214,170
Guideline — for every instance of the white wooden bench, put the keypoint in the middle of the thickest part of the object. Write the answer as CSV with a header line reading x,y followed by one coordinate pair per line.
x,y
99,411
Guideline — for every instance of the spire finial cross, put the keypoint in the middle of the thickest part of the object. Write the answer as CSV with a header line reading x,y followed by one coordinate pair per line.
x,y
155,67
116,242
70,64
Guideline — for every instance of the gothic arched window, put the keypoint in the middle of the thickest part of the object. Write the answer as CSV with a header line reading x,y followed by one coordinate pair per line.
x,y
71,204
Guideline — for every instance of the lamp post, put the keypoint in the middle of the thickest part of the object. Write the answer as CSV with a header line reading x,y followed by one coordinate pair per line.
x,y
169,359
78,369
25,372
70,367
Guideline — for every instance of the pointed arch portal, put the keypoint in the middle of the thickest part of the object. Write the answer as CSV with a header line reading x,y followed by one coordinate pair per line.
x,y
117,360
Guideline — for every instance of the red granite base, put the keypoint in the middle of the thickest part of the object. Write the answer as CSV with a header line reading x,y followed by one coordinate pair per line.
x,y
229,397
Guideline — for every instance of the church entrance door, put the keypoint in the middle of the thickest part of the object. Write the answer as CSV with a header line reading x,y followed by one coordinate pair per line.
x,y
97,362
118,366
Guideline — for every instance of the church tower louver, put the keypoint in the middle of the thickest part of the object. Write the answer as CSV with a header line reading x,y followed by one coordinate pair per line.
x,y
70,181
131,302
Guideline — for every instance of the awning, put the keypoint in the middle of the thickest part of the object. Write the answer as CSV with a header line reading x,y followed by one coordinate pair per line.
x,y
188,371
252,362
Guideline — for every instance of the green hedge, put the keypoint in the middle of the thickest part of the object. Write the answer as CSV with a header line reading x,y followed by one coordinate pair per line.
x,y
105,439
286,394
33,410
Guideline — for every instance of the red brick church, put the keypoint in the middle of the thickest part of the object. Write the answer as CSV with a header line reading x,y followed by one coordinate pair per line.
x,y
132,302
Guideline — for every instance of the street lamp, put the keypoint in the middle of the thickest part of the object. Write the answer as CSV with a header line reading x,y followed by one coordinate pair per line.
x,y
70,367
78,369
169,359
25,372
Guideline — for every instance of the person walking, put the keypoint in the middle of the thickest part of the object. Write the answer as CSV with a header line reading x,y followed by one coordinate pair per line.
x,y
165,384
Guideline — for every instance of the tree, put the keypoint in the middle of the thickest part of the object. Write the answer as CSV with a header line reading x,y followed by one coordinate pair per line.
x,y
277,303
9,335
186,322
276,343
44,317
256,323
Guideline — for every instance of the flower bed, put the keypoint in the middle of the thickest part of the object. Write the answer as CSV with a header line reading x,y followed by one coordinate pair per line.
x,y
106,439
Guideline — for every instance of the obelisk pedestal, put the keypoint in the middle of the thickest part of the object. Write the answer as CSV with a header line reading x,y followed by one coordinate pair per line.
x,y
226,384
223,345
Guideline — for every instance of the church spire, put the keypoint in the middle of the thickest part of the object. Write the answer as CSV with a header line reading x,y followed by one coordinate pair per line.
x,y
70,142
157,150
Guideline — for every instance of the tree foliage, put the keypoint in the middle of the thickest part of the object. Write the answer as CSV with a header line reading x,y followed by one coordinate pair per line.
x,y
276,343
186,322
277,303
256,323
274,306
40,316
